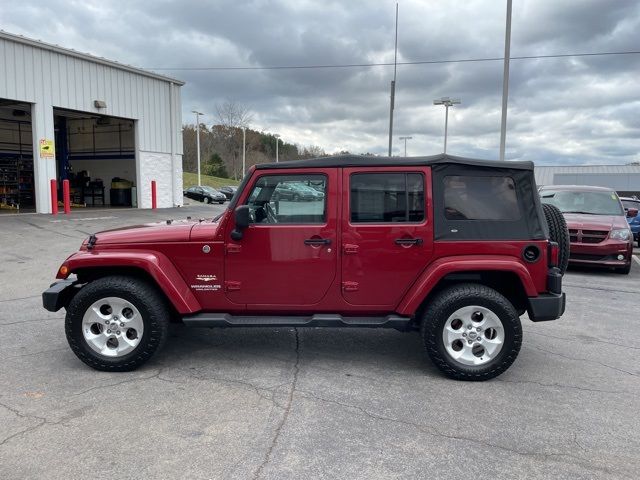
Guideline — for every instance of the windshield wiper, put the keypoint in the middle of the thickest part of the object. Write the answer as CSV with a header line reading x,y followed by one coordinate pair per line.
x,y
579,211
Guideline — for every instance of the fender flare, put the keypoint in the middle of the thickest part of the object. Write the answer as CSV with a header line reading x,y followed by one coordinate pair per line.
x,y
156,264
430,277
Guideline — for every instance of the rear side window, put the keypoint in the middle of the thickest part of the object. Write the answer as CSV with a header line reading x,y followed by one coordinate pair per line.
x,y
387,197
480,198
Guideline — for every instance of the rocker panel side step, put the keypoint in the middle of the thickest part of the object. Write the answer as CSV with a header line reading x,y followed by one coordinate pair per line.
x,y
211,320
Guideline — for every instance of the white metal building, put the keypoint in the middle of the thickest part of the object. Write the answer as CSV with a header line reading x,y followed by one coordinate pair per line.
x,y
625,179
103,125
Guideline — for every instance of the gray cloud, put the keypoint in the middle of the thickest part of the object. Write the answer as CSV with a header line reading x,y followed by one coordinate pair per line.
x,y
570,110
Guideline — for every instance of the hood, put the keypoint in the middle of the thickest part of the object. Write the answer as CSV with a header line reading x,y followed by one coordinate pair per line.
x,y
586,221
176,231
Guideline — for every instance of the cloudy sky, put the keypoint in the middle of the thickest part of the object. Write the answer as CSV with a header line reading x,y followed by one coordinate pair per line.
x,y
561,110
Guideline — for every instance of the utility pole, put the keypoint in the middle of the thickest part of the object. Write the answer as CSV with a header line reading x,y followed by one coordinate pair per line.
x,y
198,140
447,102
393,86
277,142
244,149
505,81
405,143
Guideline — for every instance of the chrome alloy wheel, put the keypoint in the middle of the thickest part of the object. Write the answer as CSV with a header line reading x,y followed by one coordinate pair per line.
x,y
473,335
112,327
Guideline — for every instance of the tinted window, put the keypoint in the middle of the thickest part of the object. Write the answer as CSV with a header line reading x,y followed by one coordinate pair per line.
x,y
387,197
580,201
288,199
480,198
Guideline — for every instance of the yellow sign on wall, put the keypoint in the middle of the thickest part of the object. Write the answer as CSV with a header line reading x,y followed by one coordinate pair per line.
x,y
47,148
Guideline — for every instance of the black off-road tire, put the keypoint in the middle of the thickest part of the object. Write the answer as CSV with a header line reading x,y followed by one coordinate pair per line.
x,y
449,301
559,233
144,296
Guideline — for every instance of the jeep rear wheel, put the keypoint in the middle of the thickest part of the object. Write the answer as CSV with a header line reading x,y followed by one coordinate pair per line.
x,y
471,332
116,323
559,233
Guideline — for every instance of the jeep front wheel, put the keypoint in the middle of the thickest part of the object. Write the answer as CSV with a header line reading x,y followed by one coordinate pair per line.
x,y
116,323
471,332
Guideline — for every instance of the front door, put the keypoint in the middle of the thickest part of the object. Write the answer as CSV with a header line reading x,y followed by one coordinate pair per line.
x,y
287,255
386,234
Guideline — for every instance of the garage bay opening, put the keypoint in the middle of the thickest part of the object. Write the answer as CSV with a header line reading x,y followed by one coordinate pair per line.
x,y
17,193
96,153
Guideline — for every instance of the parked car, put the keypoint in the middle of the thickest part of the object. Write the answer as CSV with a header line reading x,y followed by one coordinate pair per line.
x,y
229,191
599,232
296,192
632,209
455,249
205,194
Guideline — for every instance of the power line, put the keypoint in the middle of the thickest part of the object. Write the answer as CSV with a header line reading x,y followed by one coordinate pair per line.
x,y
390,64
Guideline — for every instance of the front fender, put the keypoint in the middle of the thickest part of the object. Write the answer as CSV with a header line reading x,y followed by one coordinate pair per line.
x,y
457,264
156,264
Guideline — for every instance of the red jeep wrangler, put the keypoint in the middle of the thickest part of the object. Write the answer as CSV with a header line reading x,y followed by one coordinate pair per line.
x,y
457,249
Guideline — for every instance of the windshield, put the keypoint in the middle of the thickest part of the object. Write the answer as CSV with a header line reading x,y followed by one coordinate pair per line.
x,y
631,204
578,201
209,189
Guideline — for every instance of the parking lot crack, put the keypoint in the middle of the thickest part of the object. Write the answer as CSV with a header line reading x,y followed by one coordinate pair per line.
x,y
560,385
259,391
129,380
287,410
31,354
587,361
434,432
575,340
41,421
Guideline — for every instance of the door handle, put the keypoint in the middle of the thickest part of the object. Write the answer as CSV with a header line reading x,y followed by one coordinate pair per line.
x,y
317,241
408,241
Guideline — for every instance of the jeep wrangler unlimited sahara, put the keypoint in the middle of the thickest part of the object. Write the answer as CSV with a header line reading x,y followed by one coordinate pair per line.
x,y
457,249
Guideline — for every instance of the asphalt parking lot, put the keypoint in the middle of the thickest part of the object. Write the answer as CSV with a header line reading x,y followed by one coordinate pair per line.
x,y
281,403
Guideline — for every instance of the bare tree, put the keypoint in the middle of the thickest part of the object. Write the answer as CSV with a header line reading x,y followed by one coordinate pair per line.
x,y
232,117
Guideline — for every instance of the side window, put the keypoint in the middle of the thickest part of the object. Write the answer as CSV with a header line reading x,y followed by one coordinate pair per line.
x,y
387,197
480,198
288,199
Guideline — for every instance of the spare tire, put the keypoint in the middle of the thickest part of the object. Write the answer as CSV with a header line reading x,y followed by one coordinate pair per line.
x,y
559,233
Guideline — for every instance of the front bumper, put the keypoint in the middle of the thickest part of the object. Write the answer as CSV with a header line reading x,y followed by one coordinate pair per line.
x,y
548,306
604,253
59,294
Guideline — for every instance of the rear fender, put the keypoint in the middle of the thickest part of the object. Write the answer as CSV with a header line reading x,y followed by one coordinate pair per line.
x,y
156,264
442,267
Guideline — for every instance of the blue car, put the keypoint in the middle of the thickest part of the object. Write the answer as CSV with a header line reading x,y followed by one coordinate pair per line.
x,y
634,220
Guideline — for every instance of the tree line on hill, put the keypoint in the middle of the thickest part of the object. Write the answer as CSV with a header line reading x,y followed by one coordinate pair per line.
x,y
221,145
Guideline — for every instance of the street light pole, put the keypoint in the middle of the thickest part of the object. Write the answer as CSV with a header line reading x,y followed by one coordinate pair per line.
x,y
447,102
505,81
198,140
244,149
277,142
405,143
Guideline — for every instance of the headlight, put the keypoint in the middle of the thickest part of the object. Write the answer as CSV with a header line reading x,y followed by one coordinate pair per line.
x,y
620,234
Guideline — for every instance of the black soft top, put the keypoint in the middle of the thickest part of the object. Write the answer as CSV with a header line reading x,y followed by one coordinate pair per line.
x,y
369,161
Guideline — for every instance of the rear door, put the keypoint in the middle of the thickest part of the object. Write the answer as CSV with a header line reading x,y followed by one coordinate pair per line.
x,y
386,233
287,256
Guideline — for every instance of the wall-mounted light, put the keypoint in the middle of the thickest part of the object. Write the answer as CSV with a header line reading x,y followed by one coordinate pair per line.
x,y
100,104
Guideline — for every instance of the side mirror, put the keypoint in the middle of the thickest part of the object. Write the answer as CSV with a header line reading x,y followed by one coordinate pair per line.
x,y
632,212
241,216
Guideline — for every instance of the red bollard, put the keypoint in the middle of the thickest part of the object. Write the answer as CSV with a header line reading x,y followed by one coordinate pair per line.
x,y
154,203
54,196
66,198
